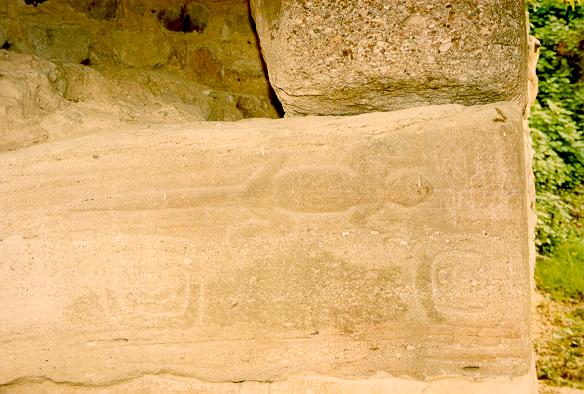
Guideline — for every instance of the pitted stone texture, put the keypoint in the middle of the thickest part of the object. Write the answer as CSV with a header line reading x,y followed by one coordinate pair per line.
x,y
328,57
258,250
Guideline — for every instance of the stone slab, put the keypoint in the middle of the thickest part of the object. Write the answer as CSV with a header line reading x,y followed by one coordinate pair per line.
x,y
390,243
330,57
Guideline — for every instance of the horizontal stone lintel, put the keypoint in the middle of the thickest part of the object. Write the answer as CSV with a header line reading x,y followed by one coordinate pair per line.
x,y
346,246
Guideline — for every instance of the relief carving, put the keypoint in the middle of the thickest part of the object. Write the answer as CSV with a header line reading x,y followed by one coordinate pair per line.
x,y
312,189
467,285
140,290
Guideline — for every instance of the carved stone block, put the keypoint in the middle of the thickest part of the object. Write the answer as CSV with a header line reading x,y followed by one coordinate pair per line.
x,y
391,243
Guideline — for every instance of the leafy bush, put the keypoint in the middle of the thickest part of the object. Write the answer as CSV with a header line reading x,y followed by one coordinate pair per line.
x,y
557,120
573,2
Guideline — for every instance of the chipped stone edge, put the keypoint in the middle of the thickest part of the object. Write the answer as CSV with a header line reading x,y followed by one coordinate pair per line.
x,y
379,383
533,46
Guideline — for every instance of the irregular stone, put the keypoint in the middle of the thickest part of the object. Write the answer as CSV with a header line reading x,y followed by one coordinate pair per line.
x,y
224,55
98,9
140,48
42,101
174,19
62,44
388,243
198,15
30,88
206,66
327,57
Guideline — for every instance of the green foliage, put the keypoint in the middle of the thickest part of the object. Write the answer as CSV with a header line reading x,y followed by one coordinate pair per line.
x,y
573,2
562,274
557,120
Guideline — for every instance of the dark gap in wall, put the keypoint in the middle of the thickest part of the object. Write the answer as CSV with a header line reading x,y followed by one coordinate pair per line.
x,y
6,45
34,2
271,93
189,18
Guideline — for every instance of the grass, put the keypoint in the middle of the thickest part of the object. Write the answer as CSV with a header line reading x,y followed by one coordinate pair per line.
x,y
562,275
561,352
560,347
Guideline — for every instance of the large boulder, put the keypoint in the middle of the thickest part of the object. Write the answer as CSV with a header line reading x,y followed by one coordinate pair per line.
x,y
331,57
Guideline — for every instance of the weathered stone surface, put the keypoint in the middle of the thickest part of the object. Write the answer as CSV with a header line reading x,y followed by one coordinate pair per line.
x,y
58,43
385,243
211,43
98,9
42,101
330,57
140,48
30,89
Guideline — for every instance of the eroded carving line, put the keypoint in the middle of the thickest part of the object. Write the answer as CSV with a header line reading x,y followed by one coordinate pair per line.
x,y
309,189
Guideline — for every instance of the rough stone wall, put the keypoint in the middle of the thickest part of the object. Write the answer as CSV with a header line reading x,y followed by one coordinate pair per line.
x,y
133,61
212,43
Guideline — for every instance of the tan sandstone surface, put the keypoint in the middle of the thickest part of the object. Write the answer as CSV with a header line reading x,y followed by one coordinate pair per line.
x,y
387,245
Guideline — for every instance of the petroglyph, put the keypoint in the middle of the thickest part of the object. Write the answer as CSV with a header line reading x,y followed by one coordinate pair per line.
x,y
424,289
314,189
468,285
140,290
463,285
307,189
